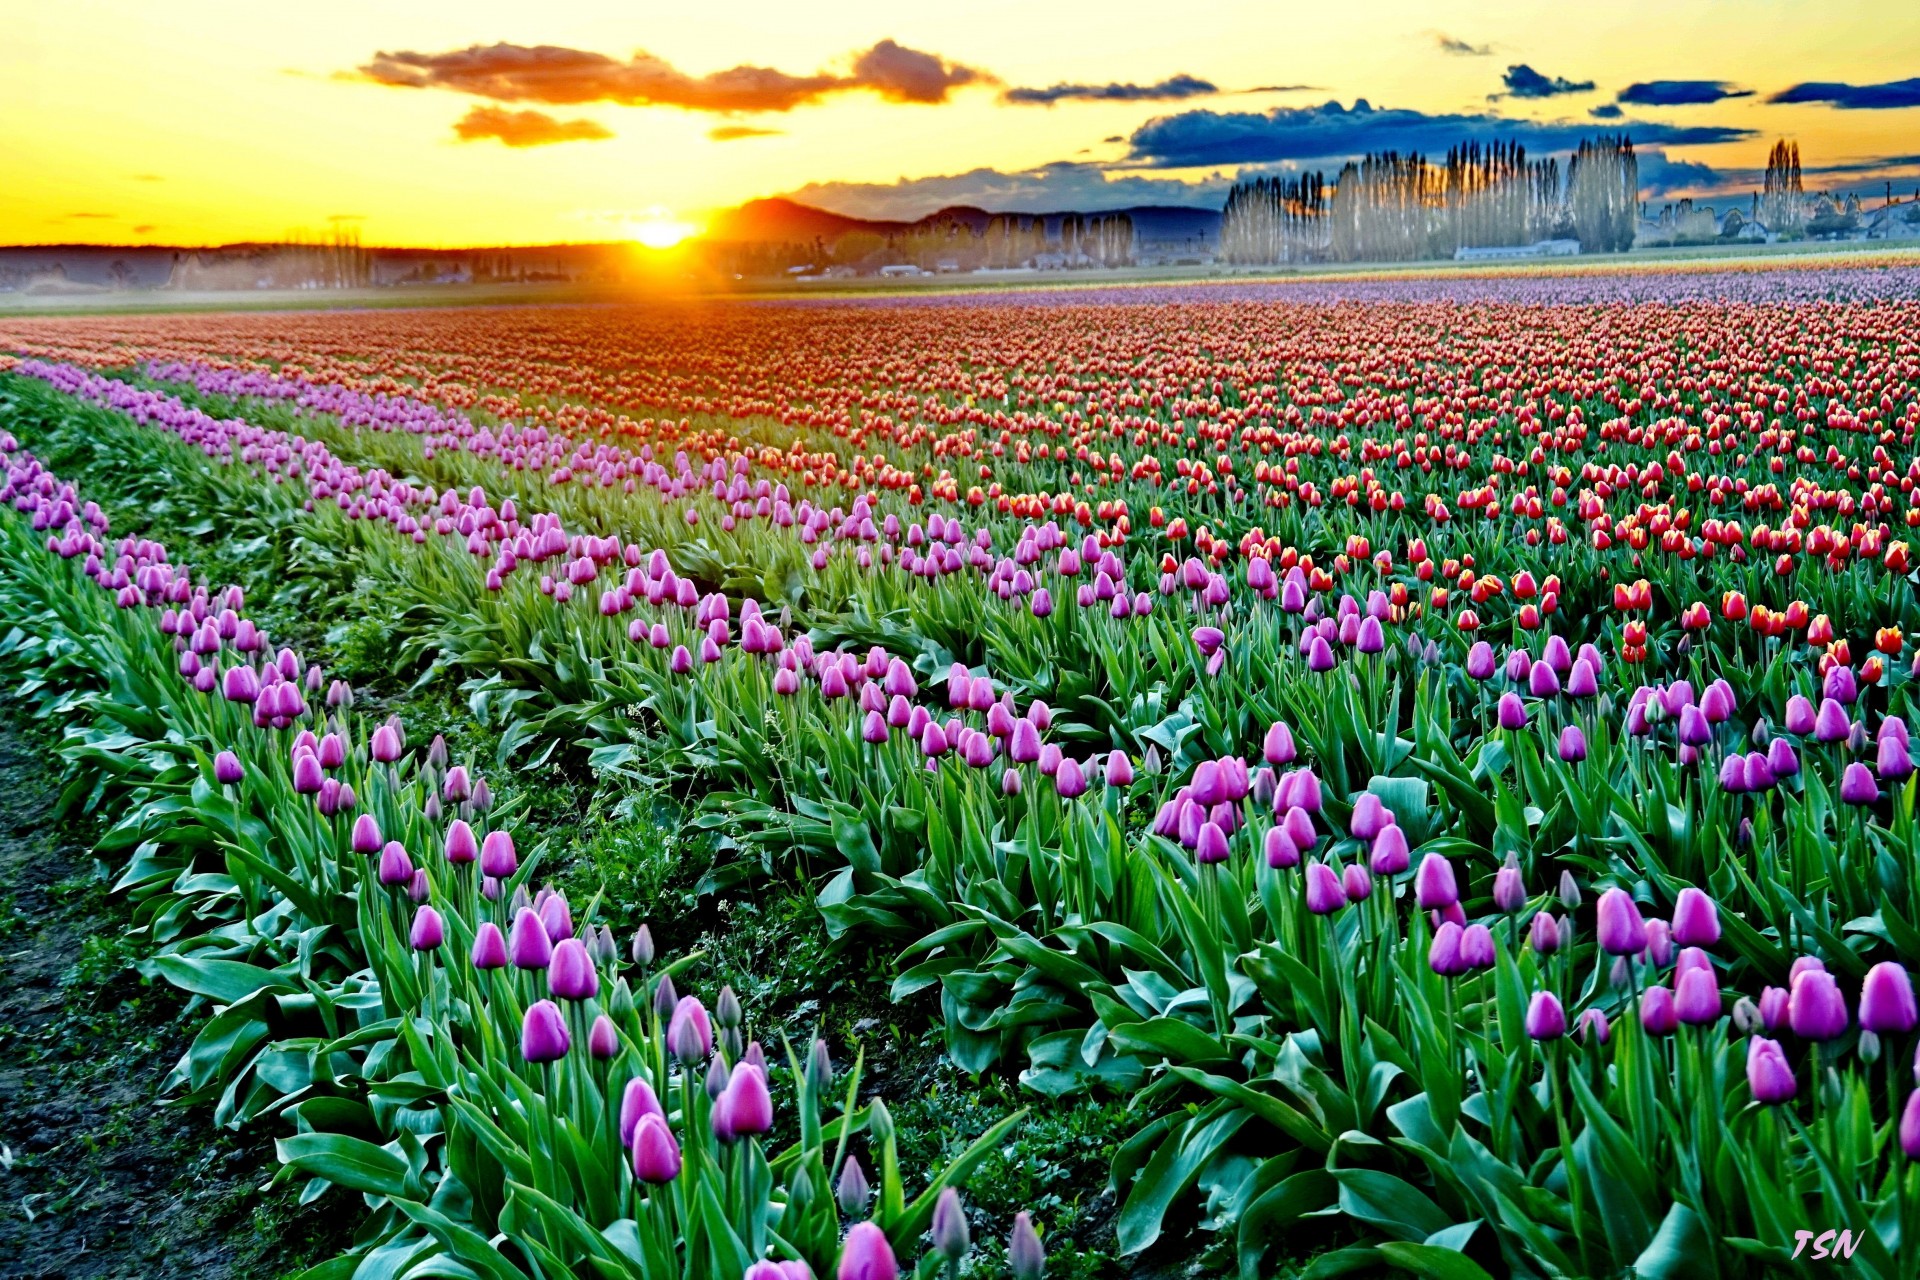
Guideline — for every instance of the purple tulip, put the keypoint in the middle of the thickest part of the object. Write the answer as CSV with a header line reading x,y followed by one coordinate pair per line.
x,y
570,973
1512,711
1390,855
555,916
1434,885
1857,786
1280,848
1582,681
489,947
1620,930
690,1032
1573,744
396,868
1476,947
429,931
1799,718
1370,817
1657,1013
656,1156
307,774
1696,920
1119,770
462,848
603,1042
1509,891
1696,1000
1278,748
1443,955
1769,1075
1831,724
497,856
227,770
951,1238
1544,933
1773,1008
543,1033
1546,1020
866,1255
1357,884
1211,847
1324,892
527,941
749,1104
637,1101
366,835
1480,661
1887,1001
1025,1256
851,1191
1815,1008
1069,780
1592,1027
1893,761
1910,1126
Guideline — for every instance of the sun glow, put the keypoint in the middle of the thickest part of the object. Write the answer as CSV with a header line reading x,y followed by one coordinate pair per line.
x,y
659,229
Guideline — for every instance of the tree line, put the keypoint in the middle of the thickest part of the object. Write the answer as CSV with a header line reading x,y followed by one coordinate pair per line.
x,y
1390,207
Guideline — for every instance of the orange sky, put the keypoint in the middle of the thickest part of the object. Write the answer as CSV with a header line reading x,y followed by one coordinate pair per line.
x,y
204,121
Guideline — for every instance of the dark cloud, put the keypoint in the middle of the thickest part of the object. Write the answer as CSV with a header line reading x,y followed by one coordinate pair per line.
x,y
1283,88
142,228
1201,137
1854,97
1523,81
1461,48
1865,164
1661,174
1173,89
1679,93
1066,185
735,132
525,128
1606,111
900,74
559,76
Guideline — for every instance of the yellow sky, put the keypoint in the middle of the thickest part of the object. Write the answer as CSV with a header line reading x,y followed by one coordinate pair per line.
x,y
200,121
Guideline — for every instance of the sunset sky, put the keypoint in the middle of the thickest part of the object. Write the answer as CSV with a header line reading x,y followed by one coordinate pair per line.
x,y
205,121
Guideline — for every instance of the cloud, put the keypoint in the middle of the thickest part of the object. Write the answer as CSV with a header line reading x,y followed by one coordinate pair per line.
x,y
1174,88
1854,97
1283,88
1679,93
1606,111
525,128
735,132
559,76
900,74
1460,48
1523,81
1661,174
141,228
103,216
1066,185
1201,137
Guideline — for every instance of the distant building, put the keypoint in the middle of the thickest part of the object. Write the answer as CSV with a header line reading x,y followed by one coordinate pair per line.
x,y
1538,249
895,269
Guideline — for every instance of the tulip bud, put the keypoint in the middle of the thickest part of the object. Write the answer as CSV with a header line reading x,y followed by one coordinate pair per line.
x,y
1025,1255
851,1192
642,948
879,1121
951,1238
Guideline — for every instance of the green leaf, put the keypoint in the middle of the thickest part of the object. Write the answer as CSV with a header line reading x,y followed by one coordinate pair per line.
x,y
349,1162
1436,1262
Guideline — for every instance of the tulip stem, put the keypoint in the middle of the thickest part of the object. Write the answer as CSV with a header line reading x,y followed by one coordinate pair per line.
x,y
1555,1064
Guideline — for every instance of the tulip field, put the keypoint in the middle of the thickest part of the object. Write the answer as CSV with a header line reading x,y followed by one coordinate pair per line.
x,y
1427,758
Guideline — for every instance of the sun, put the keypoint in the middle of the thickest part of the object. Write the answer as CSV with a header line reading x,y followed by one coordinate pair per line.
x,y
658,229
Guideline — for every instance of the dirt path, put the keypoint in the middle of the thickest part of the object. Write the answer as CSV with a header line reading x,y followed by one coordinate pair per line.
x,y
98,1179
